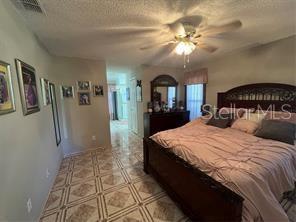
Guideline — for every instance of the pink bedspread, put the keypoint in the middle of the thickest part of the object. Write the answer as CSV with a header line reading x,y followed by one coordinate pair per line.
x,y
259,170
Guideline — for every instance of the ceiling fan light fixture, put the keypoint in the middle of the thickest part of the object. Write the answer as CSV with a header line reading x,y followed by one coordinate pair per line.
x,y
180,48
185,48
190,48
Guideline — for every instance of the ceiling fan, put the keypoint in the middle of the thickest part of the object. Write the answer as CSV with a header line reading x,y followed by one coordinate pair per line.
x,y
187,36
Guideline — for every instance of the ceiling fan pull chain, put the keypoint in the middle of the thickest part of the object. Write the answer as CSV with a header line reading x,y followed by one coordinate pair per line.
x,y
184,60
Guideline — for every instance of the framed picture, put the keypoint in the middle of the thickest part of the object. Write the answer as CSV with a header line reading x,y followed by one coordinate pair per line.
x,y
28,87
67,91
139,91
55,114
83,85
6,91
84,98
45,91
98,90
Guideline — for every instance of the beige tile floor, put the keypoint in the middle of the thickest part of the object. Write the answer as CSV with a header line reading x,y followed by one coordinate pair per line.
x,y
108,184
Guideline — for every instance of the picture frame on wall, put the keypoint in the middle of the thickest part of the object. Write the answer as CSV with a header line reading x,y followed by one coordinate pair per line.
x,y
139,91
45,91
67,91
84,98
55,114
83,85
98,90
7,104
28,87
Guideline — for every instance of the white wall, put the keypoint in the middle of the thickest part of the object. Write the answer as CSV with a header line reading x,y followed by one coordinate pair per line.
x,y
81,123
27,143
273,62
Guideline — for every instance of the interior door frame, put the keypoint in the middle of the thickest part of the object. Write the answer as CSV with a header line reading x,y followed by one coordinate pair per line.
x,y
135,103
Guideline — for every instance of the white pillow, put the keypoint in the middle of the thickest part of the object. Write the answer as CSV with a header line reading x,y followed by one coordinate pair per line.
x,y
254,117
244,125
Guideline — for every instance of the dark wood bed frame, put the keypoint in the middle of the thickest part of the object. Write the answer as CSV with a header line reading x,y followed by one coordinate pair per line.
x,y
200,196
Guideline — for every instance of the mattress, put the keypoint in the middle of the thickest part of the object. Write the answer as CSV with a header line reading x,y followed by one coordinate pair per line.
x,y
259,170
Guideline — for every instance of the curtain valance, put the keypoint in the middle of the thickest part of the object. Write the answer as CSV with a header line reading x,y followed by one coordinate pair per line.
x,y
199,76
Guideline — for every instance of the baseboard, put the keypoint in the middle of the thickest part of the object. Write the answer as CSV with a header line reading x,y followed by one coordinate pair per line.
x,y
82,151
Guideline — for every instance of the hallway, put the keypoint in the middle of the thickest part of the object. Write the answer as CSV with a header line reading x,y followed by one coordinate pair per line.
x,y
108,184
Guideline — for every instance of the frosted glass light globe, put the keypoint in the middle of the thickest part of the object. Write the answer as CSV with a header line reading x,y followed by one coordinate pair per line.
x,y
185,48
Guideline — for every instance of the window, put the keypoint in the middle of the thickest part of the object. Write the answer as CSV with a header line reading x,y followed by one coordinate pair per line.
x,y
171,96
194,99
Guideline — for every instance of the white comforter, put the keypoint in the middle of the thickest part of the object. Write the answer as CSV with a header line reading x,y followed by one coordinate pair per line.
x,y
259,170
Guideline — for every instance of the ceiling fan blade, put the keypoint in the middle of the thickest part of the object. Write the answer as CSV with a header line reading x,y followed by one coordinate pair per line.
x,y
123,28
177,28
158,45
214,30
162,54
127,35
130,33
206,47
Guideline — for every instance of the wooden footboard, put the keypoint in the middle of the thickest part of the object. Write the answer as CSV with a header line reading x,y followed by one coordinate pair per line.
x,y
199,196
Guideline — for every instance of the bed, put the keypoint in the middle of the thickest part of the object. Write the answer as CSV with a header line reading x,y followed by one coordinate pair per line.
x,y
201,196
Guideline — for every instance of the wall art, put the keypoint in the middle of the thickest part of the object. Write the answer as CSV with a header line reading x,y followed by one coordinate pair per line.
x,y
83,85
67,91
7,104
139,91
55,113
28,87
98,90
84,98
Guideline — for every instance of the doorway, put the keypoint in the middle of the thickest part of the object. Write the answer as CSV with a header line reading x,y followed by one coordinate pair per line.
x,y
133,106
118,103
117,100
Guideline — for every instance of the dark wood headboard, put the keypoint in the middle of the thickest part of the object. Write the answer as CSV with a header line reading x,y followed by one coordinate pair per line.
x,y
264,95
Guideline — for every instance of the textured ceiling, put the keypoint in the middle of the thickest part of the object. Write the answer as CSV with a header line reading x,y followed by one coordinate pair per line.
x,y
115,29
